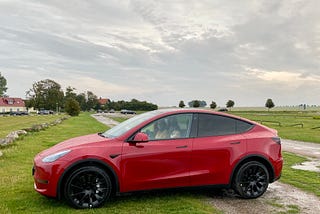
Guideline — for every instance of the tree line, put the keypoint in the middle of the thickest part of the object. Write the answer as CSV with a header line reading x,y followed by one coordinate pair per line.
x,y
202,103
230,104
48,94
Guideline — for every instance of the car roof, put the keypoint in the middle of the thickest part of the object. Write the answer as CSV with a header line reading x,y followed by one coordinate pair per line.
x,y
169,111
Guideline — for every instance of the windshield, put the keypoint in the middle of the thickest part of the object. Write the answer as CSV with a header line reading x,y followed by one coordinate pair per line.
x,y
129,124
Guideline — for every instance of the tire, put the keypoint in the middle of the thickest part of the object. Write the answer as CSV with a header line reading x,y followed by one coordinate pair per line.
x,y
87,187
251,180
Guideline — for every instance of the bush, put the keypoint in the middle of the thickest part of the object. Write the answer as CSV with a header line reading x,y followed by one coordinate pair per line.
x,y
72,107
134,105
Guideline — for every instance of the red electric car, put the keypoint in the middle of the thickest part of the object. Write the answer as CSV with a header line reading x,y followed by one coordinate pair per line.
x,y
161,149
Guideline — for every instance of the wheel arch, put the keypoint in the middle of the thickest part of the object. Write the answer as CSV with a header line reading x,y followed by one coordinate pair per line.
x,y
87,162
258,158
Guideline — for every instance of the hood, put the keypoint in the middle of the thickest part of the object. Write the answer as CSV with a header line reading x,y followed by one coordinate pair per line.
x,y
75,142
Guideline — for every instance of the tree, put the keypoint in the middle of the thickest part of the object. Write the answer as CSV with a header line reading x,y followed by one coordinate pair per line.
x,y
70,93
269,104
181,104
72,107
202,103
213,105
81,98
230,104
46,94
196,104
3,84
92,101
134,104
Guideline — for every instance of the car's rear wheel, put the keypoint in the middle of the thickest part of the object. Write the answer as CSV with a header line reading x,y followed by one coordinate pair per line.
x,y
87,187
251,180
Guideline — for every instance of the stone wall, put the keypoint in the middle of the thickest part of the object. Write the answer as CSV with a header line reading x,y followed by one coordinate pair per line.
x,y
12,136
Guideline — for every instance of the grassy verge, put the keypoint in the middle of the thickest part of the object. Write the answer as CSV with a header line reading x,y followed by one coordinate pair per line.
x,y
119,119
305,180
16,183
290,125
13,123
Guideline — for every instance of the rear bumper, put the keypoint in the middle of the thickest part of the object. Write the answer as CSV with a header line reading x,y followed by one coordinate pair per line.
x,y
277,169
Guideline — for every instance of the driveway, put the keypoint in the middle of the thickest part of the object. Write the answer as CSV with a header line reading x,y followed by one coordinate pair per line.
x,y
302,148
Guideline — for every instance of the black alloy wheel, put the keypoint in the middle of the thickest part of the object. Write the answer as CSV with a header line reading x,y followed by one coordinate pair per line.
x,y
88,187
252,180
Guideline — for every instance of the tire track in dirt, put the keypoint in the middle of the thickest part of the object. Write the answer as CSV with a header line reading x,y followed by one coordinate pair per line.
x,y
279,197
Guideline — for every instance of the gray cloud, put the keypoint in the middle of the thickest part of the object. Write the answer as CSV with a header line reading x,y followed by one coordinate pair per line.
x,y
165,51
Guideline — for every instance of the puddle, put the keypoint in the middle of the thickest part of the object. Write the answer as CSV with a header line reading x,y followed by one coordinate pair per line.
x,y
312,165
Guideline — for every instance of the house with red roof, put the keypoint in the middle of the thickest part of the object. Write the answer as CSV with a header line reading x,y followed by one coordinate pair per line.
x,y
11,104
103,101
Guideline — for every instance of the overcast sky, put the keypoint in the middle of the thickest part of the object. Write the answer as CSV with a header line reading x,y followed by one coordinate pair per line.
x,y
166,51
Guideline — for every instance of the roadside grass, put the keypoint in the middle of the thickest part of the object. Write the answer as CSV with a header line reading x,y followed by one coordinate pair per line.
x,y
16,183
282,208
119,119
302,179
290,123
13,123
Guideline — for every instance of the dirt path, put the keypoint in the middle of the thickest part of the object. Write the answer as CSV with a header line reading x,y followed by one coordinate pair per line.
x,y
302,148
278,198
105,119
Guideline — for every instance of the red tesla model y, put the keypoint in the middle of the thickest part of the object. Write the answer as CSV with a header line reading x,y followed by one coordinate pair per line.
x,y
161,149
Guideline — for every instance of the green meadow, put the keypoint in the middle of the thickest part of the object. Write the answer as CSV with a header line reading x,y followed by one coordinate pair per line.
x,y
16,182
13,123
294,125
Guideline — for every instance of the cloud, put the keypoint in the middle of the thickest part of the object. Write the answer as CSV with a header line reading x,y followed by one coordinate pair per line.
x,y
287,77
165,51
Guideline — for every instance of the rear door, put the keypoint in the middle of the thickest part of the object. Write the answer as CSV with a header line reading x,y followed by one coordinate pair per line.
x,y
217,145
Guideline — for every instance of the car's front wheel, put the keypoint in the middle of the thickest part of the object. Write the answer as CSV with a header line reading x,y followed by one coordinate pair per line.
x,y
251,180
87,187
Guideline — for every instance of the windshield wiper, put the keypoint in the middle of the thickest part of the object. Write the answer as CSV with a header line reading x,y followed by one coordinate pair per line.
x,y
102,135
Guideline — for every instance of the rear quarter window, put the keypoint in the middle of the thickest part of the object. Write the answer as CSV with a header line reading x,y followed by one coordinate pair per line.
x,y
243,126
215,125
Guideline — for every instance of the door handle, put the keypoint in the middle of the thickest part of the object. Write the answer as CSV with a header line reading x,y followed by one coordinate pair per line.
x,y
181,147
238,142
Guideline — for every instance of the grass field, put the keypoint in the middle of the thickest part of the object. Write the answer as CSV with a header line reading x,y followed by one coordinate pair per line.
x,y
18,196
294,125
13,123
305,180
16,183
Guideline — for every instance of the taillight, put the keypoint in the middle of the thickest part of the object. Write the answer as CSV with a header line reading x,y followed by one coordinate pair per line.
x,y
277,140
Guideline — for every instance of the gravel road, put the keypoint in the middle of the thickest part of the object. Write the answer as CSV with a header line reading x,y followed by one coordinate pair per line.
x,y
302,148
279,197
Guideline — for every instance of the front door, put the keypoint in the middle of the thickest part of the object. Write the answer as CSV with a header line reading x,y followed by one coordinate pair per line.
x,y
162,162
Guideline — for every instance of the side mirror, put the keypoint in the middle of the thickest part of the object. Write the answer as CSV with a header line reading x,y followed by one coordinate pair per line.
x,y
140,137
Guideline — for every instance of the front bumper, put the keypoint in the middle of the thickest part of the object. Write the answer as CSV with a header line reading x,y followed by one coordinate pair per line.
x,y
46,177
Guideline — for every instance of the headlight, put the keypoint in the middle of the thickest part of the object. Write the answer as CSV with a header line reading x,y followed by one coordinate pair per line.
x,y
55,156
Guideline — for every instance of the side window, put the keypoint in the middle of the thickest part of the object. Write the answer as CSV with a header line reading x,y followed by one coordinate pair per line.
x,y
170,127
214,125
243,126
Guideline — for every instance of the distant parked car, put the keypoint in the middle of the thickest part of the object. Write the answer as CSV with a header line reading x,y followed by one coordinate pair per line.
x,y
45,112
111,111
19,113
124,111
161,149
223,109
